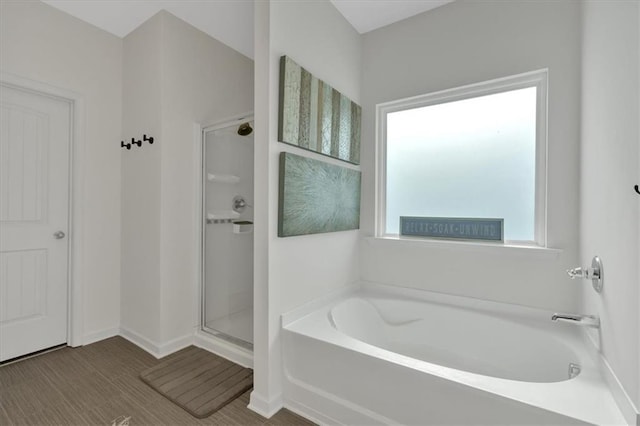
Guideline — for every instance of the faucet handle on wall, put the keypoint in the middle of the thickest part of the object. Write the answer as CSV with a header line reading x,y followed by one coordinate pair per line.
x,y
239,204
595,273
575,273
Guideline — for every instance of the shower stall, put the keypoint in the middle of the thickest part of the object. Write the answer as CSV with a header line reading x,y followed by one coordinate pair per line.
x,y
227,238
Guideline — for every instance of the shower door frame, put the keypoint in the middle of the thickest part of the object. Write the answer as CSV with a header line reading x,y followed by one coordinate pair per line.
x,y
239,347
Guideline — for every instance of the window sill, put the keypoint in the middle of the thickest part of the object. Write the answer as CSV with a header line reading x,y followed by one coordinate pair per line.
x,y
530,251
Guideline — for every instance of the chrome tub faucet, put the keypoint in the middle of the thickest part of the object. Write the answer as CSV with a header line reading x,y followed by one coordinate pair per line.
x,y
583,320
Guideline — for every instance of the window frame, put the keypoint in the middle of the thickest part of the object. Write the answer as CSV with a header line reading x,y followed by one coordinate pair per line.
x,y
538,79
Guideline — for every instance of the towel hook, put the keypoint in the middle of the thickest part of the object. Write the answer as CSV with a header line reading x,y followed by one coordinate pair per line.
x,y
125,145
147,138
637,189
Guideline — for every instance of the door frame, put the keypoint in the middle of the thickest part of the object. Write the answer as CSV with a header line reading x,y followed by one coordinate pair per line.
x,y
75,281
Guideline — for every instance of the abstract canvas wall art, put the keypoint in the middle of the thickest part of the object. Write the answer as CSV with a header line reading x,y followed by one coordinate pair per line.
x,y
315,116
316,197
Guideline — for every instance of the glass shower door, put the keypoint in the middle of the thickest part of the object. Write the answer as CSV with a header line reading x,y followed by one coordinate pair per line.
x,y
228,233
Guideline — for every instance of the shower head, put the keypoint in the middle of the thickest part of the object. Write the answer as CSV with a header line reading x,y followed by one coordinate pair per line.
x,y
245,129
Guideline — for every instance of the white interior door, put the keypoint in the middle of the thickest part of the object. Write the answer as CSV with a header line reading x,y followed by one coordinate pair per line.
x,y
34,221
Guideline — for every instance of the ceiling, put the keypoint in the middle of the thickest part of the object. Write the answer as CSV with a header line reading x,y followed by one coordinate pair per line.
x,y
368,15
229,21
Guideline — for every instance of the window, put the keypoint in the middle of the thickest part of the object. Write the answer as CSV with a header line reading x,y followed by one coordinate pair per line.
x,y
477,151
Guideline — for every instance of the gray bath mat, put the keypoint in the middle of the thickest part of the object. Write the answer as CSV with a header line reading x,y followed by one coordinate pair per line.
x,y
198,381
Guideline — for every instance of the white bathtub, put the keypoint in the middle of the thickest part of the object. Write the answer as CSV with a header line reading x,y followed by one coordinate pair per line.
x,y
382,355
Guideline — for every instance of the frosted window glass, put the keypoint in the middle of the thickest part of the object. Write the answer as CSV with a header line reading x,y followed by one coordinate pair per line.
x,y
468,158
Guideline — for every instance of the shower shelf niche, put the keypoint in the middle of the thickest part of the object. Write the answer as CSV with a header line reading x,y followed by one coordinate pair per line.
x,y
218,177
222,216
242,227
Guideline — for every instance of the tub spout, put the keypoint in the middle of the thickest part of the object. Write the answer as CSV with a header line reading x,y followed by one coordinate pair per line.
x,y
583,320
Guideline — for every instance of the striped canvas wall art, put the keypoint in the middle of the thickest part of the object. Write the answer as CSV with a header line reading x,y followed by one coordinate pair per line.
x,y
315,116
316,197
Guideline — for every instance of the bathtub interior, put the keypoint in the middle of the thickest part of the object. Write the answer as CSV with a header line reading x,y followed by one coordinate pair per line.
x,y
463,339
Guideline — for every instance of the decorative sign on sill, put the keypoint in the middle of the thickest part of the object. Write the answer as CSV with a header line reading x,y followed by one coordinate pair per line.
x,y
453,228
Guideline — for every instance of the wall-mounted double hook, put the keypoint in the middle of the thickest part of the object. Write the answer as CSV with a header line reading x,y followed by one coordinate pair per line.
x,y
637,188
136,142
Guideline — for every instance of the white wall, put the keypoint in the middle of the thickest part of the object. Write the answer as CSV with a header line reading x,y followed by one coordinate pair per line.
x,y
141,227
204,81
458,44
175,76
266,393
43,44
610,218
297,269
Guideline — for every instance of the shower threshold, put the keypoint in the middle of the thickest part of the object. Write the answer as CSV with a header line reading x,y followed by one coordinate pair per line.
x,y
236,327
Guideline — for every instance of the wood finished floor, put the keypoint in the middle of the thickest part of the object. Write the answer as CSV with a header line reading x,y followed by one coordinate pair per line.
x,y
94,384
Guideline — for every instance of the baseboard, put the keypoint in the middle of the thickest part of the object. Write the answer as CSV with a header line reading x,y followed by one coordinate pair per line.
x,y
141,342
312,403
96,336
175,345
266,408
241,356
156,349
233,353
